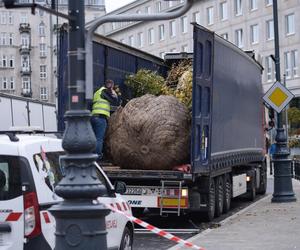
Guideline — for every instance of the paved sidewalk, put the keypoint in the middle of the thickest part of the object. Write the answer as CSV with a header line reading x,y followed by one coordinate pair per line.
x,y
261,226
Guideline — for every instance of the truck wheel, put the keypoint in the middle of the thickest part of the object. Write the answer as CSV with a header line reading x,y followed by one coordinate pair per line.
x,y
219,196
211,202
227,193
263,180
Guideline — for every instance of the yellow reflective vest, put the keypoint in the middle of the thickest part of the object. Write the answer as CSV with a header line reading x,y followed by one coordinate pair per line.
x,y
100,105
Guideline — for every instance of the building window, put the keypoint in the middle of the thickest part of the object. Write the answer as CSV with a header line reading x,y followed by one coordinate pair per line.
x,y
196,17
287,64
24,17
11,39
147,9
43,93
151,36
4,83
26,84
43,73
254,33
25,40
270,30
225,36
269,2
173,28
43,50
11,62
4,61
122,41
131,41
41,13
158,6
269,68
170,4
295,63
290,24
184,48
253,4
10,18
239,38
291,64
42,31
161,32
12,83
238,7
25,63
140,39
3,17
210,15
223,11
3,38
184,24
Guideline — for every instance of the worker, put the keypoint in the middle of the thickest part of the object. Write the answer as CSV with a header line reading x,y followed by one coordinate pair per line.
x,y
102,100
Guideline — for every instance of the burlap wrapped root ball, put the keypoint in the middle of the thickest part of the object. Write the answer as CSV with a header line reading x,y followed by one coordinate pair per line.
x,y
151,133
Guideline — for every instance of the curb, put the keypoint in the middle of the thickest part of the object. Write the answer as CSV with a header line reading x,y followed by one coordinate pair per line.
x,y
223,222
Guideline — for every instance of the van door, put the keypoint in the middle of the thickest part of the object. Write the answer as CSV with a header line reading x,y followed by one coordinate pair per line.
x,y
202,100
11,204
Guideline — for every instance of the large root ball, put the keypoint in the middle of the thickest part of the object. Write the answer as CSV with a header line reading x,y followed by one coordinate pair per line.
x,y
150,132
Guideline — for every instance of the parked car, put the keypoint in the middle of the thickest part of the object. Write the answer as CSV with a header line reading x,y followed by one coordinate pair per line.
x,y
29,172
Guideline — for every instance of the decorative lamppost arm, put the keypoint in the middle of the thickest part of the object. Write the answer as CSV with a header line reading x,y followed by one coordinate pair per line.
x,y
92,26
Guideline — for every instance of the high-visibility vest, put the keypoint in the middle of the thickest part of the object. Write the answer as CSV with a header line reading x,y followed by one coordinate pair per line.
x,y
100,105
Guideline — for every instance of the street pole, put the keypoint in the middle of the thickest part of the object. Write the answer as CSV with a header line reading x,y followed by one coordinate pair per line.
x,y
283,187
80,219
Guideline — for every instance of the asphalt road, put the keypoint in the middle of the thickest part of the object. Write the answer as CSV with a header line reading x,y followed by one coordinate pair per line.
x,y
150,241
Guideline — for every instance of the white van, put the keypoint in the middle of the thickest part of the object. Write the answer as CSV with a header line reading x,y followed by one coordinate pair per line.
x,y
29,172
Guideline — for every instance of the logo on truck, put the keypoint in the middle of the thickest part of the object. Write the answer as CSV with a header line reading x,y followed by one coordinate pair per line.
x,y
135,202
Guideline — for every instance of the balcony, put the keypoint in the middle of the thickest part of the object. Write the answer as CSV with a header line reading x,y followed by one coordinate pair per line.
x,y
25,71
24,27
26,93
24,49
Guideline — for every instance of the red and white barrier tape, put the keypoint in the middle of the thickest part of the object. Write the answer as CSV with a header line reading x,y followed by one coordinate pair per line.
x,y
156,230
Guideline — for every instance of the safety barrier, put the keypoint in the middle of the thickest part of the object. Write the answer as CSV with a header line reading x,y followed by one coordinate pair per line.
x,y
156,230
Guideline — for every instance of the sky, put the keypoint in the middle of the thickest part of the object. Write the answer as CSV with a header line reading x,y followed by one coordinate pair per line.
x,y
115,4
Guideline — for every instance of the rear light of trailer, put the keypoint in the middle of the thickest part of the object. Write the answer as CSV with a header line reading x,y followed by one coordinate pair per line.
x,y
32,220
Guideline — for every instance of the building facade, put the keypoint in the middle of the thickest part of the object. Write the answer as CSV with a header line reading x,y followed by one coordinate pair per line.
x,y
28,48
246,23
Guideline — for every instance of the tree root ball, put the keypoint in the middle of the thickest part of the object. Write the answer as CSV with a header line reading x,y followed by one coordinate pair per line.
x,y
150,133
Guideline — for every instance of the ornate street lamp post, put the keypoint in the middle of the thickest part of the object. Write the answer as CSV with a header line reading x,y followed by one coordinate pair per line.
x,y
283,188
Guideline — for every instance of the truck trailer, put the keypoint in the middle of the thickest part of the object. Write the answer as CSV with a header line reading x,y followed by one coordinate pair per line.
x,y
227,138
20,111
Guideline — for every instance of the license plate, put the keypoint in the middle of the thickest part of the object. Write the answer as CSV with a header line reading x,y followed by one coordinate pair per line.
x,y
134,191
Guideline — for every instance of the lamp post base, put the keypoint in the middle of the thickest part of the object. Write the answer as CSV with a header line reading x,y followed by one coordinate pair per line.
x,y
283,186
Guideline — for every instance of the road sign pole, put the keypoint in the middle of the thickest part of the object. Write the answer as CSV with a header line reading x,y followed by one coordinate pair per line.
x,y
283,187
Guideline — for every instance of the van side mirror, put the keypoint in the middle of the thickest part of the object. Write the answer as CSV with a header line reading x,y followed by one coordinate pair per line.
x,y
120,187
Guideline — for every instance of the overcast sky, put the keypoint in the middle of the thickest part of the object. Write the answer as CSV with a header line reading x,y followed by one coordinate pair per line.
x,y
115,4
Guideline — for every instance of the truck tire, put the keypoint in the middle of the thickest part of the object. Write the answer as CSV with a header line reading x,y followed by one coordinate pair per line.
x,y
227,193
263,179
219,196
209,214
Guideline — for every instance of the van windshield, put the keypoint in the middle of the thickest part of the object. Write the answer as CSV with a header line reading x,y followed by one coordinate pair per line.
x,y
10,177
